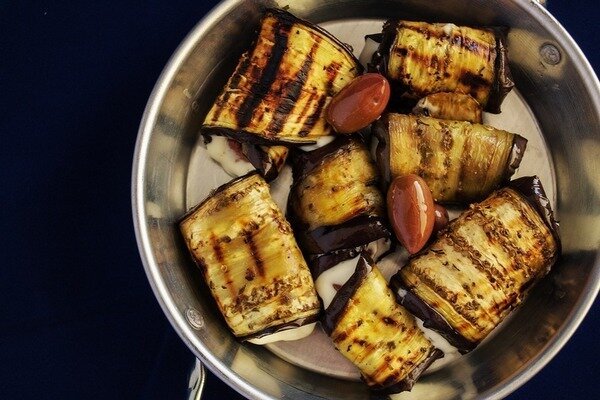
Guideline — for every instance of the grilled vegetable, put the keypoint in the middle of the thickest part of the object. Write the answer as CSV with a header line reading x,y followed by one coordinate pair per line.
x,y
268,160
250,259
459,161
282,85
426,58
379,336
238,159
447,105
335,202
480,268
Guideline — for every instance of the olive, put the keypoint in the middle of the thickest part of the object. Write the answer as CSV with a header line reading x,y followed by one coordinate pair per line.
x,y
411,211
359,103
441,218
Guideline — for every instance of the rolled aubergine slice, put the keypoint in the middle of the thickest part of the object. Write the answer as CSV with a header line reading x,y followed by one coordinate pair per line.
x,y
281,87
335,202
425,58
238,158
448,105
250,260
376,334
460,162
478,270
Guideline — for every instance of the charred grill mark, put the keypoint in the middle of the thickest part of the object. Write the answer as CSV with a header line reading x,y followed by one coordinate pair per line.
x,y
310,121
234,82
541,233
217,249
464,162
346,333
450,297
256,257
216,246
484,267
474,81
425,150
485,221
499,234
309,101
463,247
294,88
460,40
385,374
259,89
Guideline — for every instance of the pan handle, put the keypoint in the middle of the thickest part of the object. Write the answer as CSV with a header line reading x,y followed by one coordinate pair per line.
x,y
196,381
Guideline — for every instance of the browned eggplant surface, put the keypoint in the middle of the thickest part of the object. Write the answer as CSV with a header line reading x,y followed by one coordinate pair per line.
x,y
460,162
427,58
448,105
376,334
283,84
250,260
480,268
335,201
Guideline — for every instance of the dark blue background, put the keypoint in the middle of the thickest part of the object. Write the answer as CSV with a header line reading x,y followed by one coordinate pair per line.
x,y
78,318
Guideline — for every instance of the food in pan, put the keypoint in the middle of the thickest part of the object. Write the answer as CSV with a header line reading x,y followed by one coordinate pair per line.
x,y
411,211
424,58
441,218
376,334
461,162
281,87
250,261
296,89
448,105
359,103
239,158
335,202
479,269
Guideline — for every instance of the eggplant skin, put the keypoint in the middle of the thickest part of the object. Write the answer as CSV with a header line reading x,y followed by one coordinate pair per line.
x,y
268,160
281,87
376,334
250,260
335,201
482,266
449,105
425,58
460,162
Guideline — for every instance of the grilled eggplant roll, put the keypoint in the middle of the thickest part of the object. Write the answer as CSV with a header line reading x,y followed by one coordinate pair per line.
x,y
238,159
461,162
480,268
426,58
250,260
376,334
281,87
335,202
448,105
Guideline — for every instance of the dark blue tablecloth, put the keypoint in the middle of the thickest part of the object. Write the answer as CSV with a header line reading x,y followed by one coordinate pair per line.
x,y
78,318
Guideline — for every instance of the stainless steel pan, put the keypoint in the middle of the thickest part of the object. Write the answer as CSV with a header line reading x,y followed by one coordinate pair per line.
x,y
557,107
